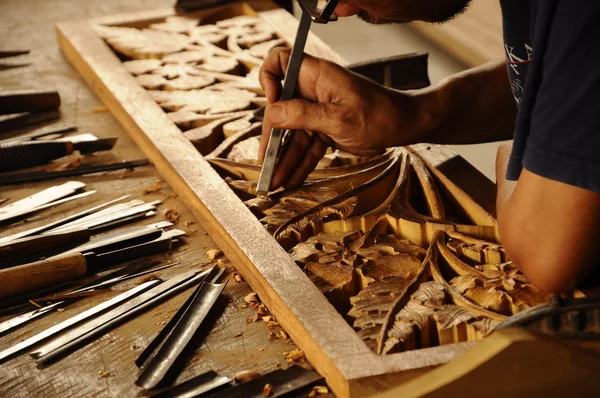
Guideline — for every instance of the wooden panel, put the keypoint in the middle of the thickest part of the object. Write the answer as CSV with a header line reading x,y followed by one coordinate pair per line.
x,y
330,343
474,37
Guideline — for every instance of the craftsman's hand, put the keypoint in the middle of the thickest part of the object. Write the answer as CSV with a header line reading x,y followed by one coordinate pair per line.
x,y
344,110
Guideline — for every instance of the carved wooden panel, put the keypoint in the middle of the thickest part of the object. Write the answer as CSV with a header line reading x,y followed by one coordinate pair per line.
x,y
379,268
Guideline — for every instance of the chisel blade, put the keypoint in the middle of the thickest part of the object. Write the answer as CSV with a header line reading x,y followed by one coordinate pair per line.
x,y
289,87
71,340
206,382
115,301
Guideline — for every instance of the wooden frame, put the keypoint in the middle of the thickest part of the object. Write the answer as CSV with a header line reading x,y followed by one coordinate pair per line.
x,y
331,345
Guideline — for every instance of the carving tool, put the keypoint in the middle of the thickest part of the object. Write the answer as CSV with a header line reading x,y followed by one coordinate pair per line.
x,y
92,312
28,101
13,53
22,319
63,221
35,153
104,250
19,178
158,358
39,244
22,120
41,200
195,387
110,216
38,134
284,382
311,11
75,338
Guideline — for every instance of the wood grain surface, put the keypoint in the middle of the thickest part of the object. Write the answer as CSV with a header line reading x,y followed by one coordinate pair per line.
x,y
106,367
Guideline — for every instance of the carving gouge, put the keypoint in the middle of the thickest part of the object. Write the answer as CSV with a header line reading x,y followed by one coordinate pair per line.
x,y
289,87
312,11
81,335
36,153
95,284
39,244
104,250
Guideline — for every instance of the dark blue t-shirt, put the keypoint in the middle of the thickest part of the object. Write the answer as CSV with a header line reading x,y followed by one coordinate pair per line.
x,y
553,58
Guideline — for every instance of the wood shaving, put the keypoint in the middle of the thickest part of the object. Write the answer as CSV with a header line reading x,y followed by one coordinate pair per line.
x,y
252,318
103,374
214,253
294,355
282,335
262,310
268,318
238,278
246,376
171,215
318,390
267,390
153,188
252,300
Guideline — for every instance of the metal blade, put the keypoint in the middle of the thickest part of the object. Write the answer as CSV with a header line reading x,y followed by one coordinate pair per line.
x,y
150,351
175,342
37,134
38,312
283,382
76,319
121,239
289,87
35,202
195,387
83,334
110,215
47,227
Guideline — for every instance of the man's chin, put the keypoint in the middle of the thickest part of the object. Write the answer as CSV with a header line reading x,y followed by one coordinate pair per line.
x,y
368,18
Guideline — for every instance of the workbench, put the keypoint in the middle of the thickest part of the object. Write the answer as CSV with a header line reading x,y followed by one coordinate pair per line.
x,y
105,368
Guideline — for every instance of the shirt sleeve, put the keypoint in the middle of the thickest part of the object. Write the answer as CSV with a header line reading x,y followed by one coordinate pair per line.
x,y
564,137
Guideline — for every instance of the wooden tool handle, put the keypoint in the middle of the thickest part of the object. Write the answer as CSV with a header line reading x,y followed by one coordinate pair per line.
x,y
29,154
28,101
42,274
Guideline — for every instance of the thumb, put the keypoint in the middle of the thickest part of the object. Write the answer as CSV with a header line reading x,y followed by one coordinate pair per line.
x,y
299,114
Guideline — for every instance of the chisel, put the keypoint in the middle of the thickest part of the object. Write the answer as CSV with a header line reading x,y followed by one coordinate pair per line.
x,y
28,101
75,338
36,153
76,263
39,244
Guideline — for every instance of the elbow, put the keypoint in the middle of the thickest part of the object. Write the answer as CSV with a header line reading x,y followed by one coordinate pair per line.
x,y
545,267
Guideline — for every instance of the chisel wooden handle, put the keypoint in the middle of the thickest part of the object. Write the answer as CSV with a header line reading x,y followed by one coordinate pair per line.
x,y
22,155
41,243
42,274
28,101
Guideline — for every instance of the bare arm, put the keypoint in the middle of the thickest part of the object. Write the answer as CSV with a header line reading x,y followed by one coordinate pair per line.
x,y
360,116
471,107
550,229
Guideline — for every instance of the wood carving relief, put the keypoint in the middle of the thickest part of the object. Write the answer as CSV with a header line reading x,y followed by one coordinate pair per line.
x,y
402,253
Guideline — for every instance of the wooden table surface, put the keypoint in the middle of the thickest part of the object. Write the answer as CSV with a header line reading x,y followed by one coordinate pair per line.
x,y
105,368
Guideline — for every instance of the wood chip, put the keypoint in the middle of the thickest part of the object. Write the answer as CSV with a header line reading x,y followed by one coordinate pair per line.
x,y
252,300
214,253
268,390
295,355
238,278
252,319
103,374
262,310
318,390
153,188
171,215
246,376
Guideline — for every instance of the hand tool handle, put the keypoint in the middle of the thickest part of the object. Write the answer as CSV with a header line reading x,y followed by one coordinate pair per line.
x,y
52,271
39,244
28,101
22,155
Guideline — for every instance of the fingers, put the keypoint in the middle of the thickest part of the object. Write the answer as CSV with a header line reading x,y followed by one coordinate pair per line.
x,y
305,115
309,162
299,143
272,72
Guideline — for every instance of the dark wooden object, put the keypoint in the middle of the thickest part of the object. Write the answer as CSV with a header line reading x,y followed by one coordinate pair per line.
x,y
28,101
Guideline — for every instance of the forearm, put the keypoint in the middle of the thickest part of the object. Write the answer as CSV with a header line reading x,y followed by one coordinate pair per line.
x,y
471,107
